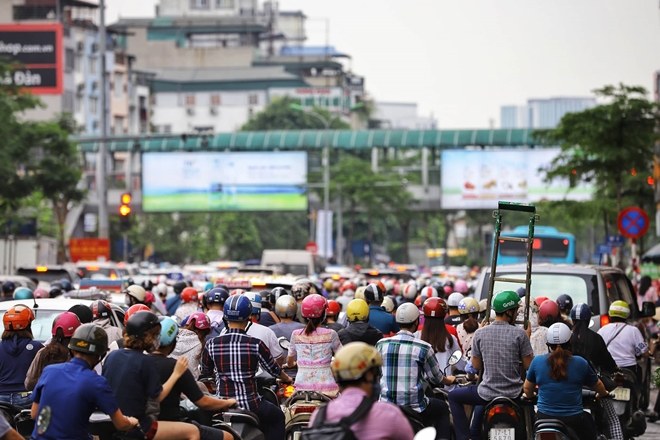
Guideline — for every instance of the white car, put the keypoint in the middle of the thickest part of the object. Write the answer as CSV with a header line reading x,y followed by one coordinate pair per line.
x,y
49,308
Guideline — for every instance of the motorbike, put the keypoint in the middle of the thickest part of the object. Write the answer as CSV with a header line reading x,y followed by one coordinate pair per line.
x,y
242,424
547,429
298,410
19,419
626,404
508,419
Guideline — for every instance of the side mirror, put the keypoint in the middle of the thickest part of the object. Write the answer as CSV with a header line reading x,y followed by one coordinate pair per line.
x,y
648,309
455,357
284,343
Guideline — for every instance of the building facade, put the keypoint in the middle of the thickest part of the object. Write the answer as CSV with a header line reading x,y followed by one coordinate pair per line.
x,y
400,115
543,113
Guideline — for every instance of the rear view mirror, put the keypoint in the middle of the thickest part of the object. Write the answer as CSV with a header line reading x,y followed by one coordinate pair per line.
x,y
455,357
284,343
648,309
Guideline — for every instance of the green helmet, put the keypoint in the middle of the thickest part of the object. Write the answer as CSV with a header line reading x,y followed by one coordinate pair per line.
x,y
505,300
619,309
23,293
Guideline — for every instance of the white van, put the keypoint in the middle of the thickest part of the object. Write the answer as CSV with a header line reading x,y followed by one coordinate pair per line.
x,y
289,261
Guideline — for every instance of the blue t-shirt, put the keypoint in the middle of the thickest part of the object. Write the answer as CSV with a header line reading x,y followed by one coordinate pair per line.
x,y
16,356
383,321
133,377
73,391
171,304
563,398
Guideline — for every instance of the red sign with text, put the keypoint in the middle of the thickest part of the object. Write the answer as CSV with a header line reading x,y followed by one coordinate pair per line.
x,y
89,249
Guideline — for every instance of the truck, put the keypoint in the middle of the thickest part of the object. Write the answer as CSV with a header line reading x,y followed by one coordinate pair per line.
x,y
17,252
290,261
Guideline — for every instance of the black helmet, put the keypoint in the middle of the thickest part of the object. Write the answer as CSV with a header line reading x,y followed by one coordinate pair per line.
x,y
55,291
276,293
89,338
100,310
8,287
178,287
373,293
141,322
565,302
66,285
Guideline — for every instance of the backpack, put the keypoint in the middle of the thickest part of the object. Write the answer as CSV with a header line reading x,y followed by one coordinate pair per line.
x,y
340,430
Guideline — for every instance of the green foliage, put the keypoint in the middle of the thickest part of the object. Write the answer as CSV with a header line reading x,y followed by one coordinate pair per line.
x,y
280,116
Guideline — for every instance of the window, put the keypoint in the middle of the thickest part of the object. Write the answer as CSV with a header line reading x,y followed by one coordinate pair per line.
x,y
224,4
253,99
167,128
119,85
190,100
93,105
69,60
199,4
119,125
79,63
215,100
79,103
92,65
67,102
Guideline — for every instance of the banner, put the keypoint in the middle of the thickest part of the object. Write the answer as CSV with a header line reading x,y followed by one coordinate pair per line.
x,y
477,179
89,249
324,233
214,181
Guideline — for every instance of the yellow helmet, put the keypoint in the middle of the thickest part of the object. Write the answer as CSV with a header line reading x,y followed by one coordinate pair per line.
x,y
353,360
359,293
327,284
357,310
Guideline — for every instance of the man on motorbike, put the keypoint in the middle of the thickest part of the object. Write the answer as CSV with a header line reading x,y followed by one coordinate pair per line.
x,y
378,317
68,393
624,341
407,363
359,329
213,302
234,358
356,368
286,308
497,350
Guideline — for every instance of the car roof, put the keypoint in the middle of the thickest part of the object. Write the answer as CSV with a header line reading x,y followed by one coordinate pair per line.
x,y
62,304
555,268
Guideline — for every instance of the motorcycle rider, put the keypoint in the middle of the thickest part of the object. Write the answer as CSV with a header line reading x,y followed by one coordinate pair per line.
x,y
169,407
624,341
565,304
435,331
407,362
173,302
357,312
378,317
261,332
69,392
119,343
213,302
191,339
189,304
17,352
234,357
8,288
101,314
499,346
469,308
356,368
331,315
286,309
268,299
454,318
560,376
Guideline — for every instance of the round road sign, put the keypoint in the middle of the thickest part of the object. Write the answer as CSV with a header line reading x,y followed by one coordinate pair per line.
x,y
633,222
312,247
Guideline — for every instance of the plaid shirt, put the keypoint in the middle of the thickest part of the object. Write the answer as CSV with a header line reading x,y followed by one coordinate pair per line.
x,y
406,361
233,358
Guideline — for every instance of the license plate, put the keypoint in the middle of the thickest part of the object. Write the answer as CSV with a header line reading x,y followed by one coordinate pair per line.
x,y
622,394
502,434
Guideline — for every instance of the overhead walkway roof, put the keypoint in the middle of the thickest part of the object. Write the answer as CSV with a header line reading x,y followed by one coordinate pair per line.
x,y
315,139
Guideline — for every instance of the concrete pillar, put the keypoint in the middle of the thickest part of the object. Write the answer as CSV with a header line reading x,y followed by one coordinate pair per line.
x,y
425,169
374,159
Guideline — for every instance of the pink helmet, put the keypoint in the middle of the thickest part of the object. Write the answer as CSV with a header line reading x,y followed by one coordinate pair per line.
x,y
41,293
429,292
66,321
461,287
149,298
201,321
448,290
313,306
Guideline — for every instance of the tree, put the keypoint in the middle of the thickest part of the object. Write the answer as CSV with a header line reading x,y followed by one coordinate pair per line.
x,y
280,116
605,144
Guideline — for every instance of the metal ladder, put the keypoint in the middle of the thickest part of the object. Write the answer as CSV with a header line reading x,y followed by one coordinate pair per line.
x,y
533,218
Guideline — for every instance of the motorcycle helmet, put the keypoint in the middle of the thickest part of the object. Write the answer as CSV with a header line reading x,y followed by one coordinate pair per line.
x,y
565,302
168,331
54,292
189,294
139,323
238,308
134,309
448,290
482,305
136,292
357,310
619,309
23,293
410,291
454,299
581,312
90,339
505,300
548,309
430,292
217,295
353,360
435,308
334,308
255,300
237,292
461,287
8,287
407,313
286,306
468,305
18,317
388,304
558,334
276,293
66,285
41,293
200,321
540,300
67,322
359,293
303,288
100,310
313,306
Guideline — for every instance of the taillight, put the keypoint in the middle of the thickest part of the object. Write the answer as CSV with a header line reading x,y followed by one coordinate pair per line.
x,y
504,410
299,409
286,391
619,378
549,436
604,320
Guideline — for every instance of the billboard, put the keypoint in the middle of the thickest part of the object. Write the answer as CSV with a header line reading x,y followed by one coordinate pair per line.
x,y
38,48
219,181
477,179
89,249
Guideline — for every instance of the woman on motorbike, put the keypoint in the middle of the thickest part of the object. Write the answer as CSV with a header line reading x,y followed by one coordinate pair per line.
x,y
133,377
469,308
191,340
57,351
17,351
314,347
435,332
560,377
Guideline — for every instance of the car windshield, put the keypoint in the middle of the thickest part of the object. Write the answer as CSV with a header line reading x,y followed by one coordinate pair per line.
x,y
548,285
46,275
42,324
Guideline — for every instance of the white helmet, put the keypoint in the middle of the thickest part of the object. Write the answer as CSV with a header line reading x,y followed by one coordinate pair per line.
x,y
388,304
137,292
429,292
410,291
162,279
558,334
482,305
160,289
255,300
454,299
349,293
286,306
389,285
407,313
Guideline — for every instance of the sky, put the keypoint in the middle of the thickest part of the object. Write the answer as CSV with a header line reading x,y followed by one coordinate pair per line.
x,y
460,60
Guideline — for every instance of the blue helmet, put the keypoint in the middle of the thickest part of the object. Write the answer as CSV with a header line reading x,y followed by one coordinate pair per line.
x,y
238,308
168,331
66,285
208,286
23,293
217,295
8,287
581,312
565,302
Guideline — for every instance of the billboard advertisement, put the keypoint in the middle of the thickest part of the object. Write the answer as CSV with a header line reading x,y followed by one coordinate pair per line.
x,y
38,49
477,179
219,181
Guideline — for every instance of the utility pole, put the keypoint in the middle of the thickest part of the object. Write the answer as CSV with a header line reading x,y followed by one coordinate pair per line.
x,y
104,229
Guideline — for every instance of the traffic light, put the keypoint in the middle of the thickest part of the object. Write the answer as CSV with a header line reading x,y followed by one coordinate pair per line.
x,y
125,212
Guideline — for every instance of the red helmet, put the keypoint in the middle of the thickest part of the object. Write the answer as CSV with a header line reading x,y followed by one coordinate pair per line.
x,y
201,321
435,308
68,322
18,317
313,306
189,294
333,308
134,309
548,308
420,300
348,285
429,292
540,300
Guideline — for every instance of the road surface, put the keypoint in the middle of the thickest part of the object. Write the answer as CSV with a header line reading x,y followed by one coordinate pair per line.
x,y
652,429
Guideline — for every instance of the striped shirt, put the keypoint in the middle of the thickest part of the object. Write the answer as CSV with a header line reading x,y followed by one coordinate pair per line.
x,y
406,361
233,358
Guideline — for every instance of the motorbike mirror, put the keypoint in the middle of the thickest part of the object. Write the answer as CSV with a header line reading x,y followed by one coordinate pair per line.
x,y
425,434
592,322
284,343
455,357
648,309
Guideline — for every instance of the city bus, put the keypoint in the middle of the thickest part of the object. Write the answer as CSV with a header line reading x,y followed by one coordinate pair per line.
x,y
550,246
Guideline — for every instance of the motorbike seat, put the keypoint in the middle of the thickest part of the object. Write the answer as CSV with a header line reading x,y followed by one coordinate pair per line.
x,y
412,414
241,416
554,425
304,395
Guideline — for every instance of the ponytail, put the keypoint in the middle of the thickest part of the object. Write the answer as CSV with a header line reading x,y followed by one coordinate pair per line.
x,y
558,361
312,324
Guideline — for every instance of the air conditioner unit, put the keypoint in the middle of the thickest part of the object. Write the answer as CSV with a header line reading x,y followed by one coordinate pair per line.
x,y
81,46
95,47
214,111
190,111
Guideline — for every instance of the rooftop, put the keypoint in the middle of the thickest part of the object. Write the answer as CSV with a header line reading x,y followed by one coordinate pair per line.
x,y
191,21
320,51
223,74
